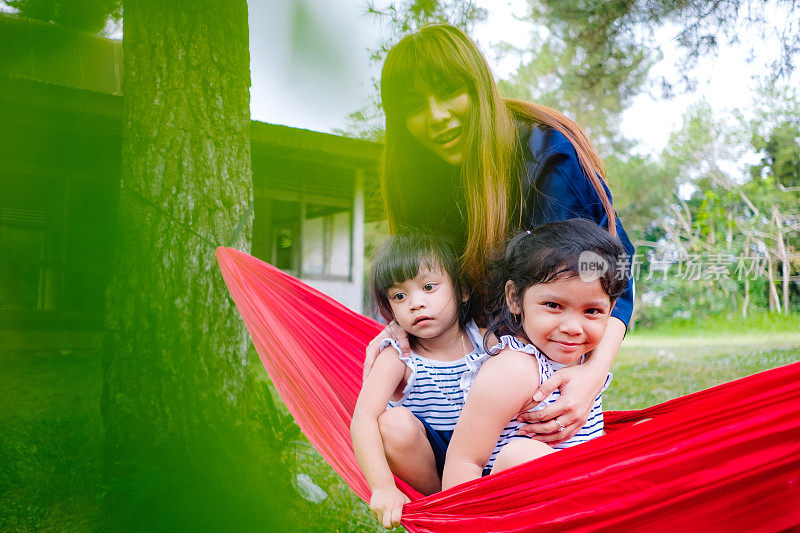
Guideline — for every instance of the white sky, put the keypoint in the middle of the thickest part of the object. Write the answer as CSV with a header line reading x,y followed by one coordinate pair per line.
x,y
288,90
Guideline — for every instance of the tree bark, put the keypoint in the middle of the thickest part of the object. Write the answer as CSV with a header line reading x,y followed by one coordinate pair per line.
x,y
183,411
746,301
784,256
774,301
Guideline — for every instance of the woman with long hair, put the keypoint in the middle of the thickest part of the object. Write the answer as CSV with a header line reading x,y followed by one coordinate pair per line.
x,y
461,160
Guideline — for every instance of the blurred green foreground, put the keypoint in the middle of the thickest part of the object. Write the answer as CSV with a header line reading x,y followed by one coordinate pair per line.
x,y
51,445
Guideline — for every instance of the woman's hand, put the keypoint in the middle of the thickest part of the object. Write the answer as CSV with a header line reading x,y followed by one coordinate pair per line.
x,y
559,421
579,386
386,505
391,331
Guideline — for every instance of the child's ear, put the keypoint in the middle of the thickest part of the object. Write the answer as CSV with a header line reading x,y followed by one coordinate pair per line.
x,y
511,298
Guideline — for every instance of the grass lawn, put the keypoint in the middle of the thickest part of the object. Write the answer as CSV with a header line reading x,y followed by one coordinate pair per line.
x,y
656,365
641,382
50,441
51,434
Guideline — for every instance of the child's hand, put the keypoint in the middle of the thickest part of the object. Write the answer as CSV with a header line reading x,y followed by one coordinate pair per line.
x,y
391,331
386,505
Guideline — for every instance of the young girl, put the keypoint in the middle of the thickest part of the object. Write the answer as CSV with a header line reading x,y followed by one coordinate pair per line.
x,y
557,287
415,281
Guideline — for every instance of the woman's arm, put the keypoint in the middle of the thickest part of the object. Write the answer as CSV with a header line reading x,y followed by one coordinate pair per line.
x,y
579,386
503,384
557,189
387,501
391,331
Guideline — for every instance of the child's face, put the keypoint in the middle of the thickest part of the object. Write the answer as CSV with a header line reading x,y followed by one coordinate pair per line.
x,y
565,318
425,306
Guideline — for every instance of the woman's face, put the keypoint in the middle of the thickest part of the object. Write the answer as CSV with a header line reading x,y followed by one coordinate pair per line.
x,y
437,118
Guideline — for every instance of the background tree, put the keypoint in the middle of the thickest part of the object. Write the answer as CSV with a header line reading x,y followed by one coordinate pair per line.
x,y
734,234
186,443
609,30
578,62
775,131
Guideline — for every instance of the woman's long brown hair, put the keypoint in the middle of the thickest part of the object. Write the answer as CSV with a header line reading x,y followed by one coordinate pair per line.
x,y
416,183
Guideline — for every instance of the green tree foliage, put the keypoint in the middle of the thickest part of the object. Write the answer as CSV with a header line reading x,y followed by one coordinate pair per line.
x,y
640,184
776,134
732,246
781,154
401,17
589,58
86,15
610,28
583,61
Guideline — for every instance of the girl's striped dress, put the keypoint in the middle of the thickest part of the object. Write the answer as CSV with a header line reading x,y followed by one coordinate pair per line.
x,y
594,425
434,391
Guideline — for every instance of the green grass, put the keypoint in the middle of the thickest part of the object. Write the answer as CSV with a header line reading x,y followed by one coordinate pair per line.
x,y
51,434
719,335
644,382
50,441
685,356
760,323
51,445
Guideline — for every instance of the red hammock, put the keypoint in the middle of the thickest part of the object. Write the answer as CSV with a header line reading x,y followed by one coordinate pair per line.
x,y
723,459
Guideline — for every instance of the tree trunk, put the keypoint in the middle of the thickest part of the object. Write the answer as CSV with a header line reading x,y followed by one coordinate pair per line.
x,y
784,256
746,301
774,301
183,412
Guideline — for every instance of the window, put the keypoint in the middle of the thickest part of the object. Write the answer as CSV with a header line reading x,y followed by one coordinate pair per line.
x,y
303,238
56,242
327,240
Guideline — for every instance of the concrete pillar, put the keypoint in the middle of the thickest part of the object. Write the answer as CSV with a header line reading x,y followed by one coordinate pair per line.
x,y
357,271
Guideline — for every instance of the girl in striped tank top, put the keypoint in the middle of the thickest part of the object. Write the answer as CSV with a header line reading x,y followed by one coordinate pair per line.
x,y
409,404
554,291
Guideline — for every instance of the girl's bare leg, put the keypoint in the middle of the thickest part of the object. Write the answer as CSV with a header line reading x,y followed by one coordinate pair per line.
x,y
408,451
519,451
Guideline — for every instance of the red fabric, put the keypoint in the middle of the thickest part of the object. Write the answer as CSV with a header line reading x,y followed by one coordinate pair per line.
x,y
723,459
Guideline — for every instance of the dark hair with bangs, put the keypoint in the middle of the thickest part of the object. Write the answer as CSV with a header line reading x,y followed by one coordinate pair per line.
x,y
549,253
400,257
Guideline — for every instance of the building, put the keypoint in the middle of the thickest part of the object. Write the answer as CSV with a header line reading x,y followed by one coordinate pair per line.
x,y
60,157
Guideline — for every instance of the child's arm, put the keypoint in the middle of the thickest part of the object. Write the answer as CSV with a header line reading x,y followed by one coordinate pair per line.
x,y
579,386
502,386
387,500
391,331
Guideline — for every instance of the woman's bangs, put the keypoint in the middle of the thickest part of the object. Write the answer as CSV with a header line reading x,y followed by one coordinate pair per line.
x,y
440,64
422,58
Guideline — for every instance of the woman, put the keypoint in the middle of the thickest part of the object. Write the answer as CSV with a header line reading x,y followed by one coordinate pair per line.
x,y
460,159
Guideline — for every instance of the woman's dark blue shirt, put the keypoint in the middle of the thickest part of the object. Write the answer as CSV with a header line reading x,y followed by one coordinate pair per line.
x,y
556,188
